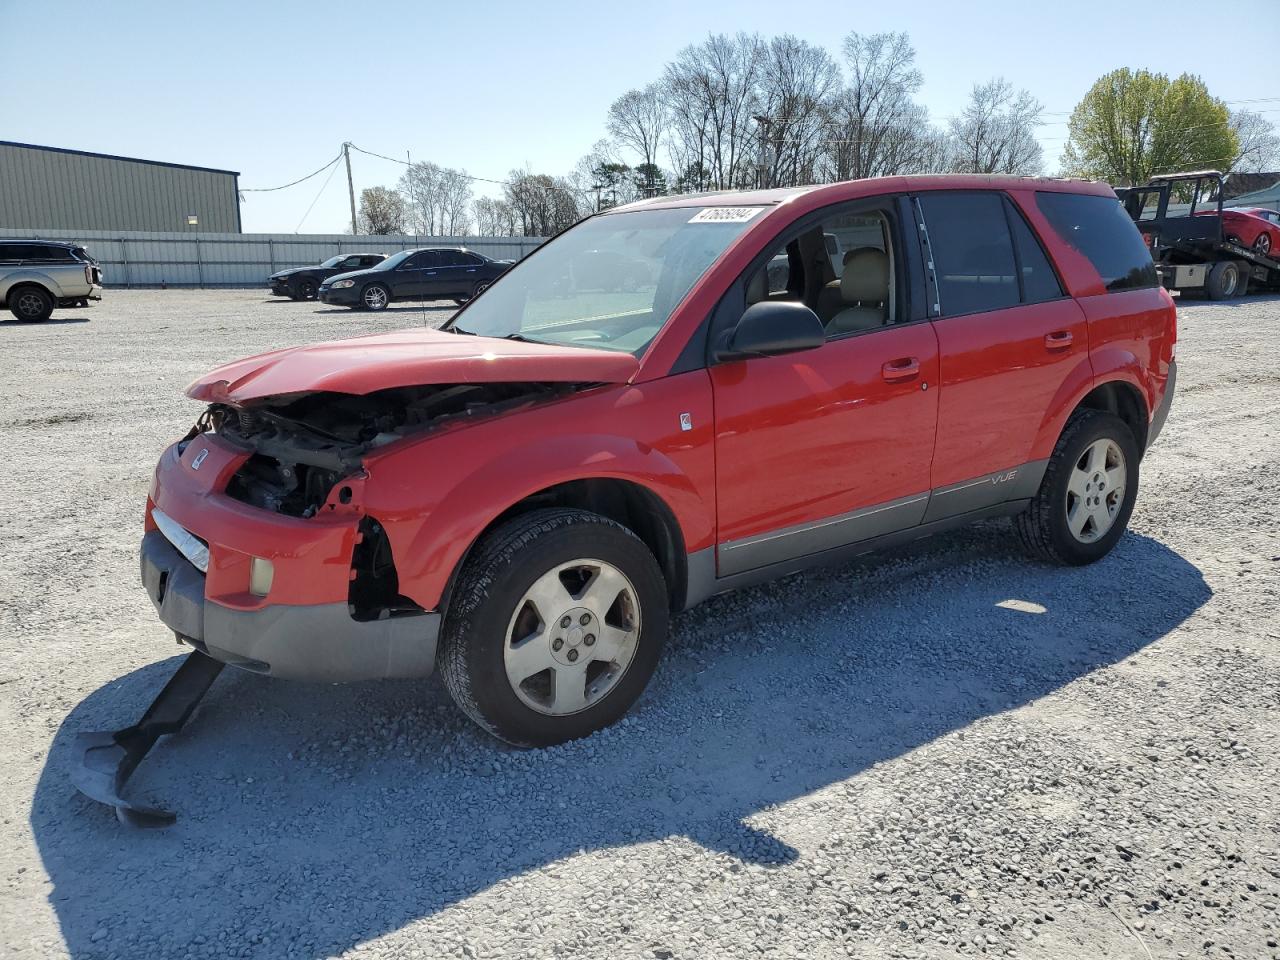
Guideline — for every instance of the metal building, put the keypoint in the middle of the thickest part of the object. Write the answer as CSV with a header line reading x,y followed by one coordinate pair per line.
x,y
52,189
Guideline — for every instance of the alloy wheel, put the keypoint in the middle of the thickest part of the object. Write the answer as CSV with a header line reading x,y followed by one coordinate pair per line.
x,y
30,305
375,298
1095,490
1263,244
572,636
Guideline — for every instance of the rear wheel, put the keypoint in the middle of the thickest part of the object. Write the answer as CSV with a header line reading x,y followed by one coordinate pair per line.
x,y
375,297
31,304
1263,244
1087,493
557,624
1224,280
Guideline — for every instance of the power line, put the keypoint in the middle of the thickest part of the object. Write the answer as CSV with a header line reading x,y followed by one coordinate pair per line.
x,y
333,169
295,182
406,163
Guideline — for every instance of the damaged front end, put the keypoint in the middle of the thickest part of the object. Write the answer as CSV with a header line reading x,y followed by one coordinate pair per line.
x,y
303,445
299,455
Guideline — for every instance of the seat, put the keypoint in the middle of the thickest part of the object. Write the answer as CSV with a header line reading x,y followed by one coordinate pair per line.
x,y
864,289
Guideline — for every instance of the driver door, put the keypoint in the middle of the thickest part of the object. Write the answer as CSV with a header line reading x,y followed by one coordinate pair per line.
x,y
819,449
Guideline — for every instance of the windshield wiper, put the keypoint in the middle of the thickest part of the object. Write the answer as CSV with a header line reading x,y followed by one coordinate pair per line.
x,y
469,333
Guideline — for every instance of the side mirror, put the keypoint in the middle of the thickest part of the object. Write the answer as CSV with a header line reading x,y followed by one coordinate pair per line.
x,y
770,329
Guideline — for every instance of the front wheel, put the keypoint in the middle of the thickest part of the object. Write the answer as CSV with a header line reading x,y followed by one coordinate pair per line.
x,y
305,290
1087,494
375,297
555,628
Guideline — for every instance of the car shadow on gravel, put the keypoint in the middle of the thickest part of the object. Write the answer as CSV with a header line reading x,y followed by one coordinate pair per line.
x,y
312,818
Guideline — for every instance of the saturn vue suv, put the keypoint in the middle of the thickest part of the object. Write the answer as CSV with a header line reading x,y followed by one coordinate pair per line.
x,y
524,498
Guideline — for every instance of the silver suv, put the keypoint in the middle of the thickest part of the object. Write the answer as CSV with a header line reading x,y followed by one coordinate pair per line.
x,y
38,275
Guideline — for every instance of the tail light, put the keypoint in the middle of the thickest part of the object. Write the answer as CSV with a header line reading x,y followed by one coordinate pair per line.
x,y
88,274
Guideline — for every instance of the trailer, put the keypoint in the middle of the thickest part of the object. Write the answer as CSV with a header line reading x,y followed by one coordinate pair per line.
x,y
1180,216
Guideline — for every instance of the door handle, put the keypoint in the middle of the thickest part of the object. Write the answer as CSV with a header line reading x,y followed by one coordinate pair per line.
x,y
431,273
904,368
1058,339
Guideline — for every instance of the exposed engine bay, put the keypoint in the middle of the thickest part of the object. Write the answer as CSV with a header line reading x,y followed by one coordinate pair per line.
x,y
303,444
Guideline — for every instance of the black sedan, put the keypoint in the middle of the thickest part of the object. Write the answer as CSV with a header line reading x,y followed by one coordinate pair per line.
x,y
440,273
303,283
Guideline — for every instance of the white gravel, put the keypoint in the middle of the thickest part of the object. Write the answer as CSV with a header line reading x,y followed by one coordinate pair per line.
x,y
946,750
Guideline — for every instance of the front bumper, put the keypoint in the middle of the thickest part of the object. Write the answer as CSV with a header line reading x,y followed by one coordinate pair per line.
x,y
318,642
346,297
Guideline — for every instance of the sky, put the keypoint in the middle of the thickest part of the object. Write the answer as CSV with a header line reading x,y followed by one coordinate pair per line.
x,y
272,89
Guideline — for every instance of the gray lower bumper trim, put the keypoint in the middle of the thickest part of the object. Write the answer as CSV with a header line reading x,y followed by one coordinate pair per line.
x,y
316,642
1166,402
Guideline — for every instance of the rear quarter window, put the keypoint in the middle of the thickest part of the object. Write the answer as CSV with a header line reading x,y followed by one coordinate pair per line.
x,y
1100,230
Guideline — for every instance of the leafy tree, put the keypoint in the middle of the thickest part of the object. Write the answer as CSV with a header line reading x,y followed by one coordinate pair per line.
x,y
382,211
650,180
1131,125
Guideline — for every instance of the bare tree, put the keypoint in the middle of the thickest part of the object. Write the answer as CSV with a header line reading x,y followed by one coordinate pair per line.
x,y
1259,147
638,120
382,211
873,127
796,80
710,90
996,131
494,218
438,199
543,205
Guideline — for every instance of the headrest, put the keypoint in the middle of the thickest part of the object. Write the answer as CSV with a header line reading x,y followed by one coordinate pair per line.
x,y
866,276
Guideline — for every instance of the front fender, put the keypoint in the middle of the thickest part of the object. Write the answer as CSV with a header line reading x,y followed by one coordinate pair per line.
x,y
427,554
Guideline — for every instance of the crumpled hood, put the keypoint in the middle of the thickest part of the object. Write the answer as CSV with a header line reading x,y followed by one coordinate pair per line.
x,y
407,358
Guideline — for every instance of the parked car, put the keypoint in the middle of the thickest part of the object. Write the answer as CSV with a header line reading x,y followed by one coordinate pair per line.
x,y
38,275
303,283
525,497
1254,227
438,273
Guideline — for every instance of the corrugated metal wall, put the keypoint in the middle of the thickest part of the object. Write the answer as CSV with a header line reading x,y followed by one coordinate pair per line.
x,y
151,259
49,189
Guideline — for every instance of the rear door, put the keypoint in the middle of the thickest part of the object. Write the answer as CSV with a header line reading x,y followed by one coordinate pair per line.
x,y
1009,338
454,277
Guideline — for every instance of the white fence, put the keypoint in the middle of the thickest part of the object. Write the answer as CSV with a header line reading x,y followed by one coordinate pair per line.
x,y
243,259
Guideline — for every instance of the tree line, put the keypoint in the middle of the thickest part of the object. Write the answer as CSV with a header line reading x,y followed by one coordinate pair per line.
x,y
742,111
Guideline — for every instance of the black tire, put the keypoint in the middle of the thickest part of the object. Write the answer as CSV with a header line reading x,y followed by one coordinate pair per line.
x,y
1043,526
304,289
373,302
30,303
1262,244
493,582
1224,280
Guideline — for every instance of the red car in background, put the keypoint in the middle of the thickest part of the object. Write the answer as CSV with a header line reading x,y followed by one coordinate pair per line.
x,y
1254,227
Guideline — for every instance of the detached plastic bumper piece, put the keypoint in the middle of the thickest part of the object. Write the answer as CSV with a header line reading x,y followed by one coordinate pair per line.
x,y
109,759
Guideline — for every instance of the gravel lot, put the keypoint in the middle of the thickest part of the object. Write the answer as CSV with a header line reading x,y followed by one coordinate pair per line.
x,y
945,750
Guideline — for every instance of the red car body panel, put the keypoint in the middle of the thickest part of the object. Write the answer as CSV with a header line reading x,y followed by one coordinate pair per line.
x,y
406,358
628,433
735,452
1246,226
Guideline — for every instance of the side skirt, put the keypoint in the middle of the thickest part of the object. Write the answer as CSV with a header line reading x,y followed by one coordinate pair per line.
x,y
703,582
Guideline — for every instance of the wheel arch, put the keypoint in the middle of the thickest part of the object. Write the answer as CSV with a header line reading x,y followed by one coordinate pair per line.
x,y
1124,400
624,501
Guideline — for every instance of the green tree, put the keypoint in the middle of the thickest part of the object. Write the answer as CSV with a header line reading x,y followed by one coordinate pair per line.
x,y
1131,125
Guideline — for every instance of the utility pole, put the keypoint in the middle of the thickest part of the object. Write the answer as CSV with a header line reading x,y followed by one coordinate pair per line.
x,y
351,190
762,161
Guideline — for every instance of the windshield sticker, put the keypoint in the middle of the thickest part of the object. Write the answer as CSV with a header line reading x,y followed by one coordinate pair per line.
x,y
725,214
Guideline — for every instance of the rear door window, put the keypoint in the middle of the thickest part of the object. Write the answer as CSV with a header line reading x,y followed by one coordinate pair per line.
x,y
972,251
1039,282
1101,230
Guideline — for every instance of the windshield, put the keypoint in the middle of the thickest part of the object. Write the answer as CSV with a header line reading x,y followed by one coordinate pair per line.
x,y
334,261
394,260
610,282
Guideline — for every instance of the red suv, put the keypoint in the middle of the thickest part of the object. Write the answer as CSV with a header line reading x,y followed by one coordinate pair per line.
x,y
780,379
